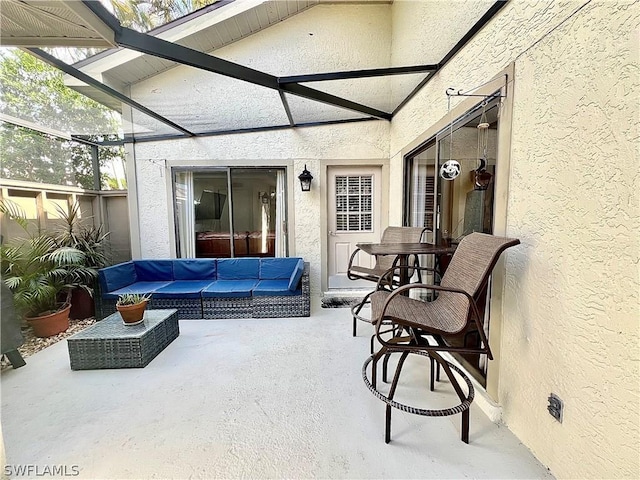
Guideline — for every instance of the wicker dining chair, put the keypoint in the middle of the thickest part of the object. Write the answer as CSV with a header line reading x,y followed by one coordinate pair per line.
x,y
431,328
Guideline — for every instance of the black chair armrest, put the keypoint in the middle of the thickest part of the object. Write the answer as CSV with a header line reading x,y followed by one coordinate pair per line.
x,y
353,256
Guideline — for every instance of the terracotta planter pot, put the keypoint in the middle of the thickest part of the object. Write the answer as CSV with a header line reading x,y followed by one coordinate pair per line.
x,y
132,313
51,324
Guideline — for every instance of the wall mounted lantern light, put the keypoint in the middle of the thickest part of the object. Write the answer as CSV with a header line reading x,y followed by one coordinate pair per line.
x,y
305,179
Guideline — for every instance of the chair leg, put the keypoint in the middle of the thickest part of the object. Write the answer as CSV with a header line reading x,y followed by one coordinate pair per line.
x,y
15,358
385,365
392,392
432,374
374,365
464,434
354,325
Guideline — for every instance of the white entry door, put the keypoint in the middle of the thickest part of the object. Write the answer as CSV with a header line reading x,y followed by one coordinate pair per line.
x,y
354,211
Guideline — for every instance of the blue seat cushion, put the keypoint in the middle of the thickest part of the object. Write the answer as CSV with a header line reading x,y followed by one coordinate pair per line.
x,y
274,287
277,268
117,276
138,287
182,289
294,280
229,288
154,270
238,268
194,269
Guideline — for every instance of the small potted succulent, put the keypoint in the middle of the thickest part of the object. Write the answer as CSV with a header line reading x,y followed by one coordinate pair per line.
x,y
131,307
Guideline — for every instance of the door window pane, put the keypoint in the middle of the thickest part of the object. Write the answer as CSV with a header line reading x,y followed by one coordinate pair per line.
x,y
354,203
455,208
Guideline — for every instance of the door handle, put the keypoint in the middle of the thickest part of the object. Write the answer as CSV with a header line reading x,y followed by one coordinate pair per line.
x,y
332,233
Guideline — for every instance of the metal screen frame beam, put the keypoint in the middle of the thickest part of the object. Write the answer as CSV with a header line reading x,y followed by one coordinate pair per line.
x,y
346,75
216,133
74,72
180,54
186,56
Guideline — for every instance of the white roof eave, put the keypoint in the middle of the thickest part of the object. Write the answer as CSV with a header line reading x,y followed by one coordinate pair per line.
x,y
122,56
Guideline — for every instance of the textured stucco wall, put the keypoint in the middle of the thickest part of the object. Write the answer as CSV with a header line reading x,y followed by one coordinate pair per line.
x,y
572,302
570,323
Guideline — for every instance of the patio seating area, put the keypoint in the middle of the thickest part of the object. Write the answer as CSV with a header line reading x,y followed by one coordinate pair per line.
x,y
254,168
216,403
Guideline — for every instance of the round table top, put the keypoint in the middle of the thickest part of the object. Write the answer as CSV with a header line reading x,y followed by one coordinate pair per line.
x,y
404,249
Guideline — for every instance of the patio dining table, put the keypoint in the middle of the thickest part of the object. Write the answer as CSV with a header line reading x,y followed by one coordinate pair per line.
x,y
403,251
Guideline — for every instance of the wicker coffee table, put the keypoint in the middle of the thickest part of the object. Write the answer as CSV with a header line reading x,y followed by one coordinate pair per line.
x,y
111,344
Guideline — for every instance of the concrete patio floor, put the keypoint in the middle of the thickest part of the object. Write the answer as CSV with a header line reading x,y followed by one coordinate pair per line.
x,y
256,398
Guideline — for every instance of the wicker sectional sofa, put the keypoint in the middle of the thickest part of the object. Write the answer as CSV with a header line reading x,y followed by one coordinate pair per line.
x,y
211,288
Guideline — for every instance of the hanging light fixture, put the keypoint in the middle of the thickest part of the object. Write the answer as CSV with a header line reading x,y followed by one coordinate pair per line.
x,y
305,179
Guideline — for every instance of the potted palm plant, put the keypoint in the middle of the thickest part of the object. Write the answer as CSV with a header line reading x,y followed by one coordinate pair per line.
x,y
90,240
131,307
41,274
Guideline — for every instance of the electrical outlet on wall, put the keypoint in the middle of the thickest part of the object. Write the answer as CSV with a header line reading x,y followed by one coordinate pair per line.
x,y
555,407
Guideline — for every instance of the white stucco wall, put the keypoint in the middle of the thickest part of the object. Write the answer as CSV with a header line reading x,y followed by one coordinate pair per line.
x,y
571,309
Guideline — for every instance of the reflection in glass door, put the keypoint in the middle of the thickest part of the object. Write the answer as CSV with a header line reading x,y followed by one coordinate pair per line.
x,y
254,212
236,212
466,203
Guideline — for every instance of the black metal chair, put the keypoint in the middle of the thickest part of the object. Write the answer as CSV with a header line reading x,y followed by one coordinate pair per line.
x,y
383,270
385,262
431,328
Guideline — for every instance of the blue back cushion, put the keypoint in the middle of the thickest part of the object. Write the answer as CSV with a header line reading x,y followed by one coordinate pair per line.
x,y
238,268
277,268
154,270
294,280
194,269
117,276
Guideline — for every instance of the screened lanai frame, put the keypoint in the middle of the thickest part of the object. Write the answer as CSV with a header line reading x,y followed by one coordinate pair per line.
x,y
311,90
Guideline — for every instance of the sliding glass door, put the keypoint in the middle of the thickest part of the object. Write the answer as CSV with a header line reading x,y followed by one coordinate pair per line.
x,y
453,208
231,212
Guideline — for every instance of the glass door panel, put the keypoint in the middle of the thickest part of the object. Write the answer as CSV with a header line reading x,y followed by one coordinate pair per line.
x,y
254,193
466,202
212,215
422,191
